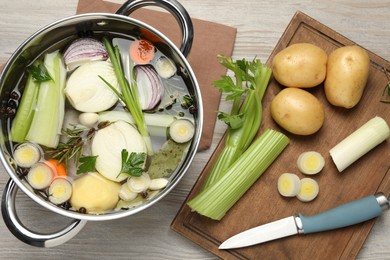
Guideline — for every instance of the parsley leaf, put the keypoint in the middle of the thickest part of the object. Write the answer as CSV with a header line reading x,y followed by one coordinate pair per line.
x,y
39,72
87,164
233,121
133,165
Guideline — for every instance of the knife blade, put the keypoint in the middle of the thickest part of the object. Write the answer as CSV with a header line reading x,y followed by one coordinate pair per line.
x,y
342,216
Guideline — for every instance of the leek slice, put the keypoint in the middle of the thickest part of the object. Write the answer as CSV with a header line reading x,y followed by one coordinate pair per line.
x,y
215,200
48,118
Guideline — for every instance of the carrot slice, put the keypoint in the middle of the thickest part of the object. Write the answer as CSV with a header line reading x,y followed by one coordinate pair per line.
x,y
142,51
58,168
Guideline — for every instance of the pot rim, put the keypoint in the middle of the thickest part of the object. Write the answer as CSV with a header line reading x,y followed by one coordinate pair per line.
x,y
185,163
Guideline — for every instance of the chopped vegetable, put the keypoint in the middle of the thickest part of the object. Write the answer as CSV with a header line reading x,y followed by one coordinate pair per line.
x,y
133,164
27,154
87,92
289,185
181,131
149,85
215,200
57,167
165,67
84,50
49,112
24,115
108,144
126,194
255,77
88,119
310,162
40,176
139,184
142,51
309,190
158,184
360,142
129,94
60,191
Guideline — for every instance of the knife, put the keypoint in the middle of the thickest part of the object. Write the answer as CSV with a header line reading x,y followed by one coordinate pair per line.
x,y
342,216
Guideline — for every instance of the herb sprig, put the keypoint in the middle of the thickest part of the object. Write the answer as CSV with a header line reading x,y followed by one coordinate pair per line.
x,y
133,164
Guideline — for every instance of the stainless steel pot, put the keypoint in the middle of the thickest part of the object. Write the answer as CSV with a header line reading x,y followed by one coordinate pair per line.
x,y
55,36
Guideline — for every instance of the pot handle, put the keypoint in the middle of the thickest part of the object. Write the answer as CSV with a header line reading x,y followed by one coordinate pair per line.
x,y
175,8
26,235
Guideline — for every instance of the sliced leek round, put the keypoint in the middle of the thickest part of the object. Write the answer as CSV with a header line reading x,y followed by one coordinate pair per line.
x,y
139,184
40,176
27,154
310,162
126,194
181,131
309,190
60,191
289,185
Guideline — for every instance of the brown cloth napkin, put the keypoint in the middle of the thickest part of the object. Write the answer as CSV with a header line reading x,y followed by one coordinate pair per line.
x,y
210,39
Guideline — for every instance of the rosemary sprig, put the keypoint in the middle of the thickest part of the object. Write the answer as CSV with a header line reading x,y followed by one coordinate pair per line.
x,y
73,147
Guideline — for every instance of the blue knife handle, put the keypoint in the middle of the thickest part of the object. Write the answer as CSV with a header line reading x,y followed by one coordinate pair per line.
x,y
345,215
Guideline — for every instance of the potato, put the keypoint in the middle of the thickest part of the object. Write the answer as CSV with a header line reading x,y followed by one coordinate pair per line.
x,y
301,65
347,73
95,193
297,111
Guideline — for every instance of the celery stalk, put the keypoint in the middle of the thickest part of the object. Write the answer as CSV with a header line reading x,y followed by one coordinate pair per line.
x,y
25,112
255,76
47,122
218,198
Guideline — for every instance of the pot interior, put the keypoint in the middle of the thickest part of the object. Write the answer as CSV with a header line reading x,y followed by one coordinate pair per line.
x,y
58,36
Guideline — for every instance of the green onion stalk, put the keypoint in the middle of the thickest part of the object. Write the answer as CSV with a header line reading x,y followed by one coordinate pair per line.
x,y
129,93
251,78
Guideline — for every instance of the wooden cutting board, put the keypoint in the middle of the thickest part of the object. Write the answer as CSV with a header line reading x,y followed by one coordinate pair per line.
x,y
262,203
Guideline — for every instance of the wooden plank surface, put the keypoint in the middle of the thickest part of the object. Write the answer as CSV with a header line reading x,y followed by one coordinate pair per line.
x,y
262,203
147,235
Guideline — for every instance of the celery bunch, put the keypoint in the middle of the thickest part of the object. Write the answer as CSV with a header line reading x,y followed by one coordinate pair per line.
x,y
40,115
215,200
251,79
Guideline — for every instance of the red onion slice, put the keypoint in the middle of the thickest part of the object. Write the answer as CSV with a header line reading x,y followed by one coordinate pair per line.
x,y
149,85
84,50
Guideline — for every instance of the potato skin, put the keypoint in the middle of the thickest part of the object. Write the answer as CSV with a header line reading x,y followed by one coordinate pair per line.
x,y
297,111
347,73
301,65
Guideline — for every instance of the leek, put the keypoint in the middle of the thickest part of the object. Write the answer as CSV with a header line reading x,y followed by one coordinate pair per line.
x,y
255,77
25,112
215,200
49,112
360,142
129,93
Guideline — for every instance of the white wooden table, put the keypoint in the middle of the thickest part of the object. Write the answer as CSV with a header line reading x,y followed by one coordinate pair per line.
x,y
147,235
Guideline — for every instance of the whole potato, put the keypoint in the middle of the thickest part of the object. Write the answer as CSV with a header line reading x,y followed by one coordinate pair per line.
x,y
94,193
347,73
301,65
297,111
